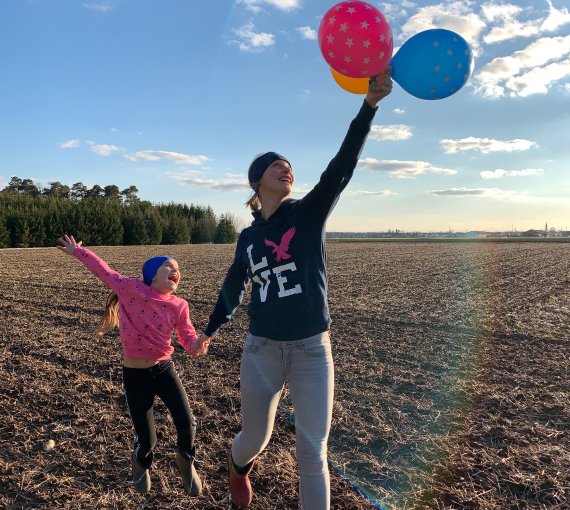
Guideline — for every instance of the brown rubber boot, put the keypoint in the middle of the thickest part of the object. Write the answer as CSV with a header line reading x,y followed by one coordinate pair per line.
x,y
192,482
141,476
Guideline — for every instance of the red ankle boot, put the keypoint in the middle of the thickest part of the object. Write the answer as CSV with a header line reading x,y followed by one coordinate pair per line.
x,y
241,493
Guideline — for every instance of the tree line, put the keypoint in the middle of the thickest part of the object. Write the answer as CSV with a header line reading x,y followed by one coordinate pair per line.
x,y
32,216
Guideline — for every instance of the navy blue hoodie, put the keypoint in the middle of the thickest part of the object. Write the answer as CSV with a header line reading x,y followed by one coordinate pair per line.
x,y
284,256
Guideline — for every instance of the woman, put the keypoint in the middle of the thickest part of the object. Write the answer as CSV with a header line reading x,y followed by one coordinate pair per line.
x,y
283,254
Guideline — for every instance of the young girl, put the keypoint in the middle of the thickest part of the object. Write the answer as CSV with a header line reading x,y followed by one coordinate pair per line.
x,y
283,254
147,312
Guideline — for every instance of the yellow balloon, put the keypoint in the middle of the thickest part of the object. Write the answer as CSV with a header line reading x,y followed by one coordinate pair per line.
x,y
354,85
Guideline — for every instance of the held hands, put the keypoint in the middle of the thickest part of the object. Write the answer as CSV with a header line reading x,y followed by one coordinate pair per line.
x,y
67,244
379,87
200,346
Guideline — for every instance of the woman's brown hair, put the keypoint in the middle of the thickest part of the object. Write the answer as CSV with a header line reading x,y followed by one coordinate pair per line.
x,y
254,203
110,317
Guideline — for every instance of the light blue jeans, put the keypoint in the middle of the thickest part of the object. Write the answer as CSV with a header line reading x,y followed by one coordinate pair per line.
x,y
307,366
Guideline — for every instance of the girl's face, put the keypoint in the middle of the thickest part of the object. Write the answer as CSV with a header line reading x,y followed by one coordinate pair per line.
x,y
167,277
278,179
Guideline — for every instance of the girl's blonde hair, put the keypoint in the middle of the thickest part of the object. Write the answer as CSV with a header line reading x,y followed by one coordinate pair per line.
x,y
110,317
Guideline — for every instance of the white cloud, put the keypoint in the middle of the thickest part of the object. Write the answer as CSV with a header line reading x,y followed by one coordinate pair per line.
x,y
457,16
529,71
399,111
282,5
363,193
307,33
539,80
104,149
70,144
390,132
99,6
3,182
485,145
495,193
396,10
499,173
250,41
403,169
177,157
510,28
520,197
228,185
300,190
500,12
556,18
499,194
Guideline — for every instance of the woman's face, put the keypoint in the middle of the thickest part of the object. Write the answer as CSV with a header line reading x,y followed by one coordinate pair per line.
x,y
278,179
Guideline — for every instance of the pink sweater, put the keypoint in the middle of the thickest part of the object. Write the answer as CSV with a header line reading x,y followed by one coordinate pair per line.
x,y
147,318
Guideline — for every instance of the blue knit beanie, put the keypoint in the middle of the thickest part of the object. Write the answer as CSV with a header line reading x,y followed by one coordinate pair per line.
x,y
260,164
150,267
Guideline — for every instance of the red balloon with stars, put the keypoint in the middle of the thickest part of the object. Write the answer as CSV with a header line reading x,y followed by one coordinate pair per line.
x,y
355,39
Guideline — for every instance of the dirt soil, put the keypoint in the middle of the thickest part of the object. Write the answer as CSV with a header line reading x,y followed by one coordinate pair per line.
x,y
452,363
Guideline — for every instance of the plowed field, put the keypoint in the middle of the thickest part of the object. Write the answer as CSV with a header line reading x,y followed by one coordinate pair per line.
x,y
452,388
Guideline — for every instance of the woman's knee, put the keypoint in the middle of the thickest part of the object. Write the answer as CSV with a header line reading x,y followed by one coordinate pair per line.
x,y
246,447
312,459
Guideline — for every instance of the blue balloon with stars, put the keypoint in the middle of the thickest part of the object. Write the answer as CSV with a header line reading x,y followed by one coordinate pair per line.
x,y
433,64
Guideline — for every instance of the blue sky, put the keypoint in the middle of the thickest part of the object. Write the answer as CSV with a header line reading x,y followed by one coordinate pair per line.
x,y
177,96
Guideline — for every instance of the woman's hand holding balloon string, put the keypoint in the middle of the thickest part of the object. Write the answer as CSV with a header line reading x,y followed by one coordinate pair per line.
x,y
379,87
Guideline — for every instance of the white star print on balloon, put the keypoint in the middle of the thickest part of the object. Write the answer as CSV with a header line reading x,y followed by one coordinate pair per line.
x,y
433,64
355,39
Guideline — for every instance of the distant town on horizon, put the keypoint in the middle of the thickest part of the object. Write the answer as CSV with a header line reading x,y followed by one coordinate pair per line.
x,y
471,234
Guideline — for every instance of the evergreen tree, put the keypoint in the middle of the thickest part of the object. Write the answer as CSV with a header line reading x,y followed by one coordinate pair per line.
x,y
57,190
109,227
78,191
30,216
4,232
22,186
57,219
34,219
153,226
86,222
112,193
134,227
95,192
29,188
177,231
141,224
14,186
20,231
207,227
130,195
225,231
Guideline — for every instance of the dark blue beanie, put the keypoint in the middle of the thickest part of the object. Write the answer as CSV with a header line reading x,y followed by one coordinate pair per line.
x,y
260,164
150,267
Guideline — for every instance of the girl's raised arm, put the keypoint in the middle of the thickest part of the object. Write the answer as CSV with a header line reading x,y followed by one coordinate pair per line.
x,y
68,244
114,280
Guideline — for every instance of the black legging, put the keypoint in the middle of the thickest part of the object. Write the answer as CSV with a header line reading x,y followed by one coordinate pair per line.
x,y
141,386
